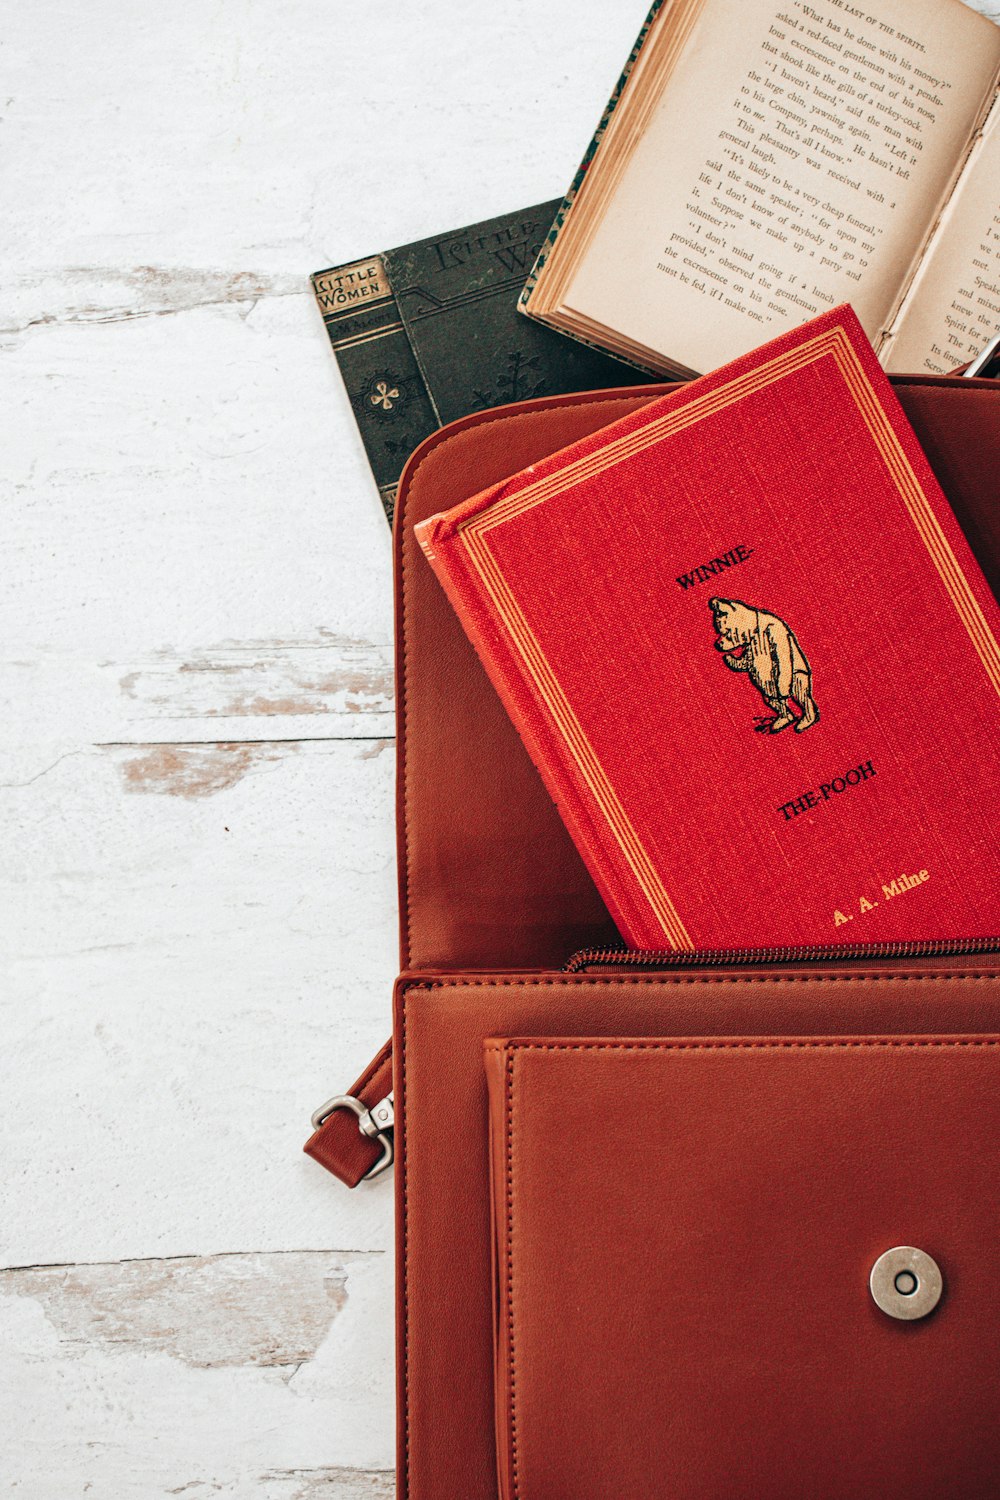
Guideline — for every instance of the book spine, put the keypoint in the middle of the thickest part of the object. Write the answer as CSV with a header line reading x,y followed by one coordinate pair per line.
x,y
384,382
438,538
588,157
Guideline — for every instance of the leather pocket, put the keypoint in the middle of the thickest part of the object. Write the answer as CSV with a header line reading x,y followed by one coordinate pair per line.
x,y
684,1235
447,1411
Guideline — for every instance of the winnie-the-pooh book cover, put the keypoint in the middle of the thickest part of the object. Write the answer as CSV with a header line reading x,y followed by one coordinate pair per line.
x,y
752,655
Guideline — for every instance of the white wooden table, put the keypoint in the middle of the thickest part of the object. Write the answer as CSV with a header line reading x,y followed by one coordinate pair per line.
x,y
195,663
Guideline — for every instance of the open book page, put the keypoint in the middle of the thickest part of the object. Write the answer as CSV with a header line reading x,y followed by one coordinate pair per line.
x,y
952,309
797,159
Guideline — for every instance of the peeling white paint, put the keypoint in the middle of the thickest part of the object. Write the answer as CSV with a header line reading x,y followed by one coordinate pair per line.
x,y
208,1311
130,1419
107,294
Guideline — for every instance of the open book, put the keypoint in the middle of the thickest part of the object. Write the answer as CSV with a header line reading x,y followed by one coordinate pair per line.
x,y
761,161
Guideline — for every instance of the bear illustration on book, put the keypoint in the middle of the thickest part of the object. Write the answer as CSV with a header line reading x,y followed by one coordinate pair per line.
x,y
762,645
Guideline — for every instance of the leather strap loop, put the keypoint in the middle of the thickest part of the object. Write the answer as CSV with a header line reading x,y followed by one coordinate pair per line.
x,y
338,1144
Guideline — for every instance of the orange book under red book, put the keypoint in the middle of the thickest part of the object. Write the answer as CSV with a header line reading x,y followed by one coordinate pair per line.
x,y
749,650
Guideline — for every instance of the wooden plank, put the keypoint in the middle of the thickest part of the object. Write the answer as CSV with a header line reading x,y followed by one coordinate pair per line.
x,y
239,138
335,686
211,1312
200,947
194,559
329,687
263,1376
111,294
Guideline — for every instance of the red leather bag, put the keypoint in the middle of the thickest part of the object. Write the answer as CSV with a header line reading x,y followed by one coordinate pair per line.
x,y
643,1208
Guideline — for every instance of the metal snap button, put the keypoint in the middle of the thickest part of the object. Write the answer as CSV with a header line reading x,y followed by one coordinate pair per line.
x,y
906,1283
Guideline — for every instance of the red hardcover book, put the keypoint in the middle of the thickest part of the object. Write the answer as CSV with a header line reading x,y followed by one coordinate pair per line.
x,y
752,656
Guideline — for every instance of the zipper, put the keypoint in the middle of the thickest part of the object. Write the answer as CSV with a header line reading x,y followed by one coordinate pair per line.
x,y
707,958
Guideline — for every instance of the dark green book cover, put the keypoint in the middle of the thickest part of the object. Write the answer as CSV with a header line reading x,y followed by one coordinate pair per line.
x,y
430,332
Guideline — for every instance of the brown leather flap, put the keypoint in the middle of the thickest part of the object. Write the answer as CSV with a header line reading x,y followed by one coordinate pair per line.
x,y
488,875
821,1177
750,1343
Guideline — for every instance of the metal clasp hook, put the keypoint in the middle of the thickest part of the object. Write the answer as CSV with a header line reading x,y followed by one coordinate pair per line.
x,y
375,1123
